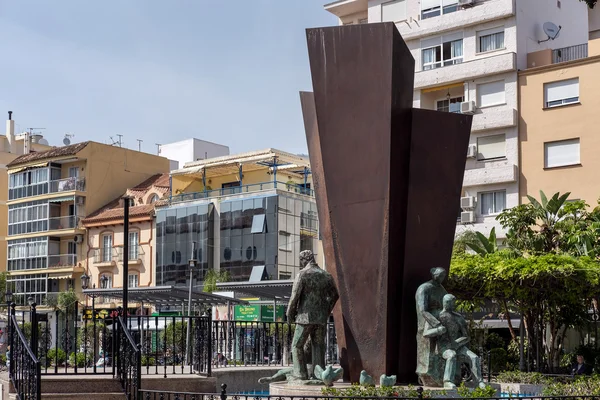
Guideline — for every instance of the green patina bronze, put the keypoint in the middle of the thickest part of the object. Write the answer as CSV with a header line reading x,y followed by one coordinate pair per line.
x,y
313,296
442,337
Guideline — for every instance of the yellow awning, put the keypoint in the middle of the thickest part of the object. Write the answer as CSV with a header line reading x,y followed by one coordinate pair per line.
x,y
445,87
66,275
39,165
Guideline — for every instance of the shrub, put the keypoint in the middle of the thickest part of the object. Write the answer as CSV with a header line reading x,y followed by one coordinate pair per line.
x,y
356,391
477,393
81,359
582,386
51,357
148,361
531,378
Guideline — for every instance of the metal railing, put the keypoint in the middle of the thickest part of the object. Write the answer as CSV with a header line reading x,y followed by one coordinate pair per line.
x,y
135,253
570,53
67,184
67,222
24,366
255,187
62,260
128,361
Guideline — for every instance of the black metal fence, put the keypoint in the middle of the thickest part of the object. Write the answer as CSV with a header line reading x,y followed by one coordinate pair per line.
x,y
128,360
24,366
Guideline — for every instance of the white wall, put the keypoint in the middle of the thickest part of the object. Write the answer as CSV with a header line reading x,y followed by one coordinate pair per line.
x,y
192,150
531,15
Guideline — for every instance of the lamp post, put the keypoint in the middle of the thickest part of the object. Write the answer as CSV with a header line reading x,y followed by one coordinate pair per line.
x,y
192,264
85,283
8,296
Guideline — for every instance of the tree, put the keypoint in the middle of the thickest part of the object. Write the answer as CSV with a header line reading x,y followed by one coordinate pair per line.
x,y
212,277
590,3
173,338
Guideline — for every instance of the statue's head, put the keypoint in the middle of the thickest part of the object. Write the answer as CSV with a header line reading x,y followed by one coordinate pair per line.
x,y
438,274
449,302
306,257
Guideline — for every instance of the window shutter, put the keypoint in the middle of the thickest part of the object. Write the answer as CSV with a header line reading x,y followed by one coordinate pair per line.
x,y
427,4
489,147
562,90
491,93
393,11
565,152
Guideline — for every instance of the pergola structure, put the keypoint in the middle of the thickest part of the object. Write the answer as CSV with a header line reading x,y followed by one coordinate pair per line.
x,y
277,291
273,159
172,296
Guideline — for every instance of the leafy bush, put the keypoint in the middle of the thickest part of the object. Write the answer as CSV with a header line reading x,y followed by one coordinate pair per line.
x,y
51,357
584,385
81,359
356,390
148,361
531,378
477,393
499,360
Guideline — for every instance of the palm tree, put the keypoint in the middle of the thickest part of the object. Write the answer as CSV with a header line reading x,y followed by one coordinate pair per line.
x,y
550,213
483,245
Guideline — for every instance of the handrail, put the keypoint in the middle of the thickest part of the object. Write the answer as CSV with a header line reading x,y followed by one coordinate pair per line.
x,y
129,361
25,368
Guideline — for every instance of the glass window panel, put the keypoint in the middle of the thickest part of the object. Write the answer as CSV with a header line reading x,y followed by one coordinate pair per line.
x,y
258,223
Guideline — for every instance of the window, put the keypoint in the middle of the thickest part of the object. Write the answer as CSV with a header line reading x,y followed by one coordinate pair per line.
x,y
562,153
230,188
442,51
134,242
434,8
106,281
490,40
106,248
153,199
258,223
490,94
560,93
285,242
393,11
71,248
491,147
492,202
73,172
133,280
450,105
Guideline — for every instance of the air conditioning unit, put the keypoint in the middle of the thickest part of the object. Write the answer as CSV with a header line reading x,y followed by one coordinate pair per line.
x,y
467,107
466,3
80,200
78,239
472,151
467,202
467,217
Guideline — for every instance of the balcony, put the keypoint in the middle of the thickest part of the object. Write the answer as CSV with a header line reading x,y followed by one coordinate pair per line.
x,y
59,223
135,254
342,8
104,256
483,11
490,176
494,118
255,187
67,185
570,53
62,260
468,70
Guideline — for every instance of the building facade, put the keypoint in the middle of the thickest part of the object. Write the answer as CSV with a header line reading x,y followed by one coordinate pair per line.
x,y
467,54
105,237
559,141
49,193
190,150
236,212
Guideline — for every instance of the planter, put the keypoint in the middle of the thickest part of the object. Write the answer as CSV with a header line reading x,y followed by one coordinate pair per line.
x,y
519,388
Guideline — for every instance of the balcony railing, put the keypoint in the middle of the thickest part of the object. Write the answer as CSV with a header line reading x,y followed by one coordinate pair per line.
x,y
62,260
67,184
135,253
255,187
104,255
68,222
569,53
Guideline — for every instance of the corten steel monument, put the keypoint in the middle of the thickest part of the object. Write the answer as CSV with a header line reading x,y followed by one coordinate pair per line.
x,y
388,181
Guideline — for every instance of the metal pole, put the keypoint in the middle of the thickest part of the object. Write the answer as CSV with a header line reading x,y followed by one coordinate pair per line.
x,y
34,330
187,347
94,321
125,257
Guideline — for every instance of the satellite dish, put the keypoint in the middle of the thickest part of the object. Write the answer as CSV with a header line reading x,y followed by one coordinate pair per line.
x,y
551,30
44,142
66,141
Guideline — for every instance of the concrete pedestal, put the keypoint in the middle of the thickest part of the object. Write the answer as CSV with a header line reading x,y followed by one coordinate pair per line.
x,y
298,390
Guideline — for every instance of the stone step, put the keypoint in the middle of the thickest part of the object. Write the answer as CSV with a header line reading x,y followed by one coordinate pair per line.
x,y
88,384
84,396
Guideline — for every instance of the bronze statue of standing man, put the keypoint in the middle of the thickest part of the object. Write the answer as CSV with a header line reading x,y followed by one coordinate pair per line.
x,y
313,296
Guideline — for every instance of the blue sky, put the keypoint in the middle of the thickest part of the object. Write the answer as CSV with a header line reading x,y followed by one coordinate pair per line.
x,y
159,70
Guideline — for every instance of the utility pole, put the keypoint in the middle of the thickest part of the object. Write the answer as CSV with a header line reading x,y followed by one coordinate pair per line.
x,y
120,140
139,144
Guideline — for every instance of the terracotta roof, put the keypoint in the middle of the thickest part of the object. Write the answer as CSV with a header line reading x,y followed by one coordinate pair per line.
x,y
54,152
160,182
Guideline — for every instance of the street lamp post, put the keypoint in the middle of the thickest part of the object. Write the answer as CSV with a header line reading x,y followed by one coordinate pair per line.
x,y
85,283
192,264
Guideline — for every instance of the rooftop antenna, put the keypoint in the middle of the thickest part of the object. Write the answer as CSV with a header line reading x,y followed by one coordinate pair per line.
x,y
117,142
551,30
139,144
158,148
67,139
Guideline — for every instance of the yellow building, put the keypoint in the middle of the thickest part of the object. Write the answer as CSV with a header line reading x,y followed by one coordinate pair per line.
x,y
12,146
106,239
237,213
558,132
49,193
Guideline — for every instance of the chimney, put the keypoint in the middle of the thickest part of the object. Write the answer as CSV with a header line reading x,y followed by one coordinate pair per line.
x,y
10,133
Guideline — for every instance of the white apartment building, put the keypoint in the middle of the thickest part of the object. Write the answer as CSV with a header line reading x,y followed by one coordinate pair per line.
x,y
467,54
